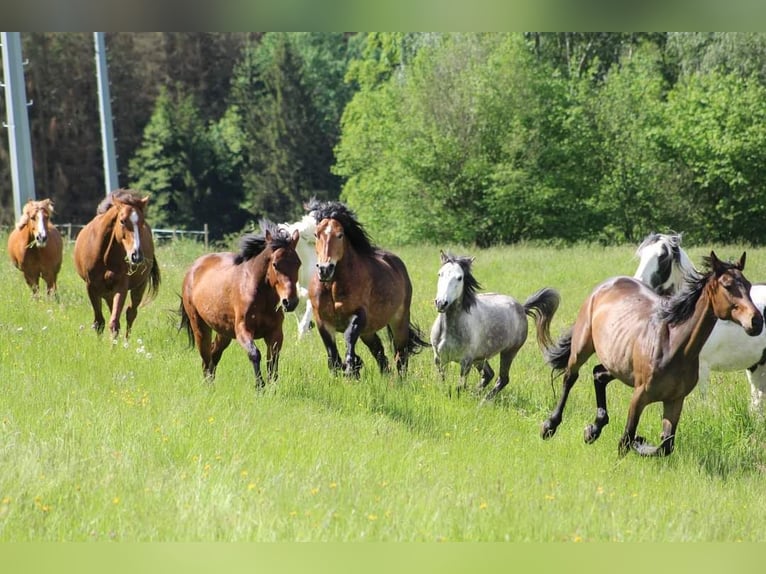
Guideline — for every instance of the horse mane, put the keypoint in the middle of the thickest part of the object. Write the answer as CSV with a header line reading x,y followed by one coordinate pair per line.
x,y
672,240
128,196
252,245
355,232
680,307
470,285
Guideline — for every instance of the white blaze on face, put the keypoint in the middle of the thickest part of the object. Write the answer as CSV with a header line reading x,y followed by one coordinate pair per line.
x,y
649,264
42,232
450,284
136,234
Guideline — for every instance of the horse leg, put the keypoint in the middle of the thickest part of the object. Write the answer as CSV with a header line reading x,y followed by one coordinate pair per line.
x,y
131,311
506,358
671,413
215,351
487,374
375,345
601,378
98,315
118,302
304,325
629,439
756,376
333,357
33,280
465,369
549,426
273,348
351,335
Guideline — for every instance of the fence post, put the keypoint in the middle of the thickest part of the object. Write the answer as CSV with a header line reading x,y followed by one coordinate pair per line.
x,y
205,230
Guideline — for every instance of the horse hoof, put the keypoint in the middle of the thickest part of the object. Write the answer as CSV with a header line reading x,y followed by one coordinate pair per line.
x,y
591,434
546,430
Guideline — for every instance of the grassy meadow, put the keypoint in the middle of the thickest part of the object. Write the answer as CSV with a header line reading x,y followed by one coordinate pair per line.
x,y
123,440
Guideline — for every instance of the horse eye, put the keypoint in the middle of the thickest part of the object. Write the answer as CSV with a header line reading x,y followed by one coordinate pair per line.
x,y
460,278
122,222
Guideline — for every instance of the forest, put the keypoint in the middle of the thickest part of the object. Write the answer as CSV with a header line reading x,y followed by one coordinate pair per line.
x,y
472,138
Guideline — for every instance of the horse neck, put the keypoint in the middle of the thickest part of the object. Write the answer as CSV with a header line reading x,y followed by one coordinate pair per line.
x,y
692,334
259,266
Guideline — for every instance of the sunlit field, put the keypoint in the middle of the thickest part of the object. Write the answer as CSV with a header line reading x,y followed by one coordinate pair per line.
x,y
124,440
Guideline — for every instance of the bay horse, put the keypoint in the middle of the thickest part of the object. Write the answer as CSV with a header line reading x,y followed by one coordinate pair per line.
x,y
662,265
114,255
472,327
242,296
359,289
651,344
35,246
306,248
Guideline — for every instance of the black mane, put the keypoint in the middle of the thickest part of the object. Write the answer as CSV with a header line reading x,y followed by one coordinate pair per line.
x,y
354,230
252,245
470,285
680,307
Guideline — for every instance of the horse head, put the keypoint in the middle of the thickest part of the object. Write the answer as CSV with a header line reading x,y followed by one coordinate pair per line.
x,y
455,283
330,247
129,222
662,263
282,272
729,291
35,218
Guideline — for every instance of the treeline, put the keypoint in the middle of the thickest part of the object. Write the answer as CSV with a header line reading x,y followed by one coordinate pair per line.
x,y
473,138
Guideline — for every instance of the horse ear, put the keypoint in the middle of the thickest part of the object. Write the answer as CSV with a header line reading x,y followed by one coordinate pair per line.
x,y
267,236
715,263
443,256
741,262
145,201
295,237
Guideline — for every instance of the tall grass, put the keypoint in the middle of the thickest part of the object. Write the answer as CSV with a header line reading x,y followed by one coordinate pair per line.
x,y
103,440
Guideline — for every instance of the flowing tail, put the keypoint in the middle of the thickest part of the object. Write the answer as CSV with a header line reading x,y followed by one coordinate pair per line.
x,y
185,324
557,356
154,282
541,306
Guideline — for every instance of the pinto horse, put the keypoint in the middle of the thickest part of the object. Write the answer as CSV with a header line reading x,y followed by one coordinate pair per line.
x,y
359,289
35,246
242,296
306,248
662,265
651,344
472,327
114,255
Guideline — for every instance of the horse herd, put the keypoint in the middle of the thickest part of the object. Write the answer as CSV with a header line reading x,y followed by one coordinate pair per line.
x,y
660,332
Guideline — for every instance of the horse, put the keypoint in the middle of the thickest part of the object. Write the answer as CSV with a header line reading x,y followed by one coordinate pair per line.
x,y
35,246
242,296
662,265
114,255
359,289
472,327
306,227
651,344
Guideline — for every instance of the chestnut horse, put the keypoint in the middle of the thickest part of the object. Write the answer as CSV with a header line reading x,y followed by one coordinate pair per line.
x,y
242,296
114,254
359,289
35,246
651,344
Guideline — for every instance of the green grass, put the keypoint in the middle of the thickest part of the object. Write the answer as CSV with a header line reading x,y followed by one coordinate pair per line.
x,y
126,442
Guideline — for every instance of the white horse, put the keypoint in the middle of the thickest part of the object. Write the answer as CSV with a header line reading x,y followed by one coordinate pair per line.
x,y
306,249
663,266
473,327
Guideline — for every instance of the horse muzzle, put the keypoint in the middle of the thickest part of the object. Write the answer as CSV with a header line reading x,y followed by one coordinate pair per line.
x,y
441,305
136,257
326,271
290,304
756,325
41,240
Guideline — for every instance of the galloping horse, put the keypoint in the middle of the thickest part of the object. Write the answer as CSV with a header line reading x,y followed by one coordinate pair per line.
x,y
242,296
359,289
651,344
662,266
306,248
35,246
114,254
473,327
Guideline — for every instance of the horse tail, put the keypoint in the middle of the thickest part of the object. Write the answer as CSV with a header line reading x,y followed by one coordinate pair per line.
x,y
541,306
185,323
154,280
557,356
415,340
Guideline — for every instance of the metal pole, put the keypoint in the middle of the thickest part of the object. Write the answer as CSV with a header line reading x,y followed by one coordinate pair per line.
x,y
20,146
105,106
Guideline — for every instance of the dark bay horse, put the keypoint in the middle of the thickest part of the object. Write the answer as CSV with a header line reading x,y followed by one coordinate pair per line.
x,y
242,296
35,246
472,327
114,255
651,344
359,289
